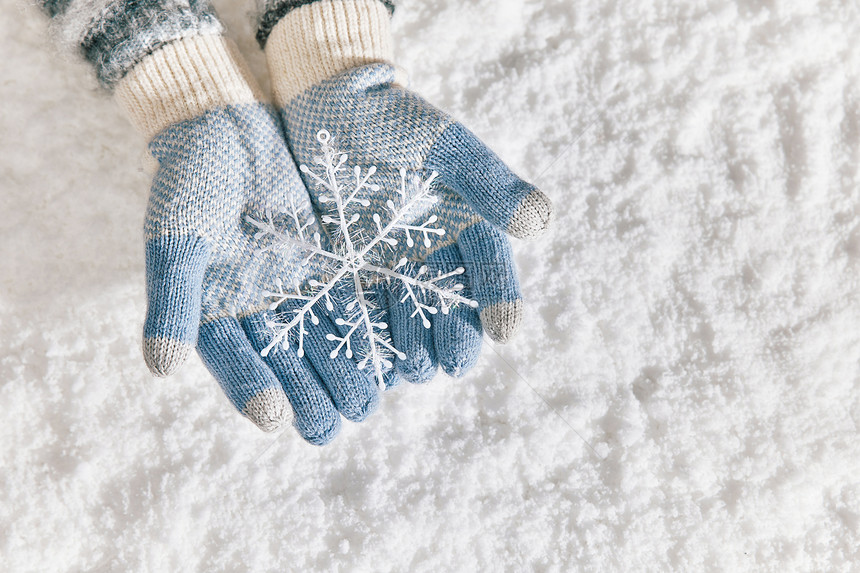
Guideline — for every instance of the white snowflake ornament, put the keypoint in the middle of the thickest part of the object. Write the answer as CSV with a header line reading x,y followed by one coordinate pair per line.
x,y
355,256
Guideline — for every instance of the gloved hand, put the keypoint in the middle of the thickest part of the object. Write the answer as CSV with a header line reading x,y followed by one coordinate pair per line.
x,y
222,160
330,70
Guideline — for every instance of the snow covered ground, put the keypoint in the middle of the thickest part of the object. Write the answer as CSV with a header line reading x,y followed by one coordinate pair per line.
x,y
685,394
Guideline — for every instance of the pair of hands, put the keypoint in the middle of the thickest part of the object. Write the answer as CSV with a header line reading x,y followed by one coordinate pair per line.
x,y
210,277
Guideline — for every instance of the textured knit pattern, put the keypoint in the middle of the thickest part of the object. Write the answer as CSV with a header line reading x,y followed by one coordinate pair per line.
x,y
214,171
115,35
376,122
203,260
272,11
221,160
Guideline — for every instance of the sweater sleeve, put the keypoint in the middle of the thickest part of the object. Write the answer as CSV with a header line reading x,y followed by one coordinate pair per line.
x,y
115,35
272,11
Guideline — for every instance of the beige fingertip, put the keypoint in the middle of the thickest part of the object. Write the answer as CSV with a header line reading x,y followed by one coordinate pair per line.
x,y
164,356
269,410
532,217
502,320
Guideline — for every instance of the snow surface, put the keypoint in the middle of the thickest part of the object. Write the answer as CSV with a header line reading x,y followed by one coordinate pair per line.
x,y
685,392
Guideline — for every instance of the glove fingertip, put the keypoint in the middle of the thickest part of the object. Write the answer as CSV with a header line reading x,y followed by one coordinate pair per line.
x,y
268,409
321,433
164,356
532,217
502,320
418,369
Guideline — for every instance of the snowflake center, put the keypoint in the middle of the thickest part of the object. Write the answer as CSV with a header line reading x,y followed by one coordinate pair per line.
x,y
355,263
405,215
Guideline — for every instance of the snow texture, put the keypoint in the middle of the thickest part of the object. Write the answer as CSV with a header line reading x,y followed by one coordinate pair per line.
x,y
684,395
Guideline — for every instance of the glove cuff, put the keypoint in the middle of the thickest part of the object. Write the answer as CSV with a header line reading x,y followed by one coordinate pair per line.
x,y
320,40
272,11
183,80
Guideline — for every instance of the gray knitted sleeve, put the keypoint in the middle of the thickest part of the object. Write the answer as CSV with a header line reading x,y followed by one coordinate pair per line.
x,y
114,35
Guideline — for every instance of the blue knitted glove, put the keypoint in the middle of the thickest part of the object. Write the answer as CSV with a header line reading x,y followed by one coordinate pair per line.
x,y
320,58
221,162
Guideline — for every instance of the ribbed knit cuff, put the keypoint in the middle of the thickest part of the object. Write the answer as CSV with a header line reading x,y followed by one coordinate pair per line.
x,y
322,39
184,79
272,11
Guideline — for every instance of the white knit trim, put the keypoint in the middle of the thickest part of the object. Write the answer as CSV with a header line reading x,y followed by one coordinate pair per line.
x,y
320,40
184,79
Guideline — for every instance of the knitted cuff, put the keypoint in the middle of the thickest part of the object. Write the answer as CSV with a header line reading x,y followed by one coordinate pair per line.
x,y
115,35
322,39
272,11
182,80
